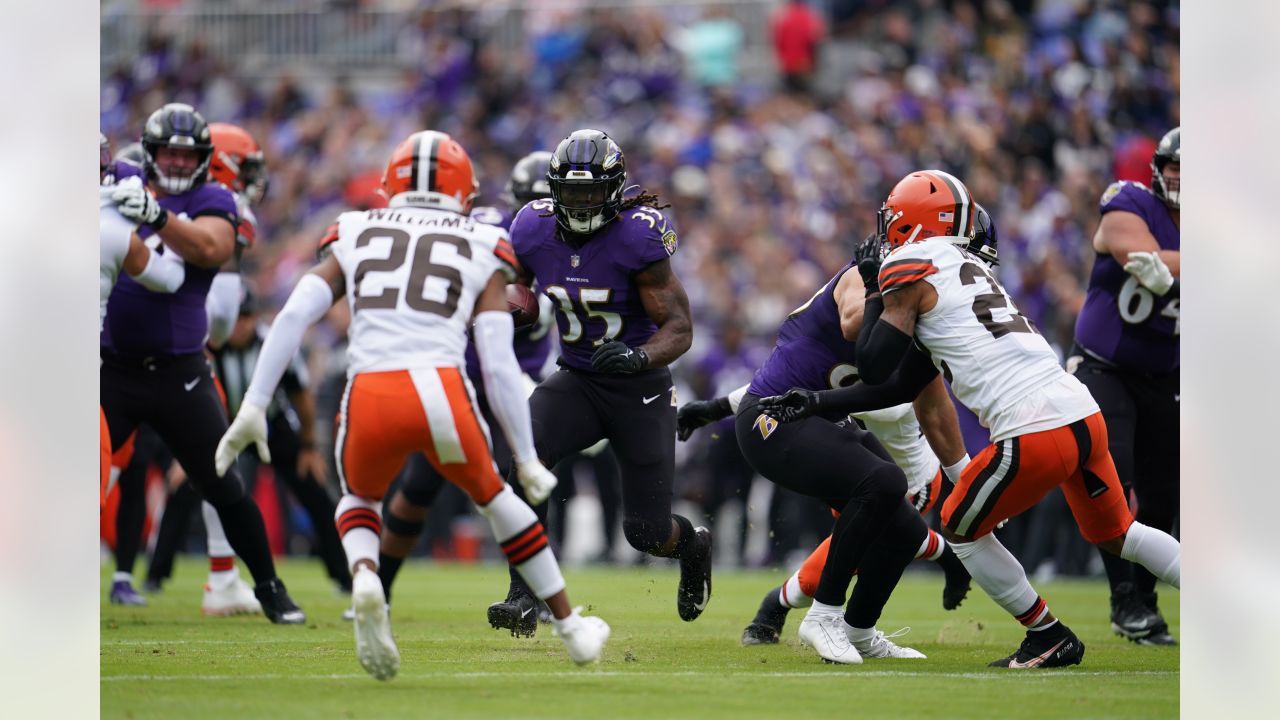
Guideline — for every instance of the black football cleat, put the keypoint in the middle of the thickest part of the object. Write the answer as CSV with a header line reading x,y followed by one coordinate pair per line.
x,y
957,584
695,577
277,605
760,634
1132,619
1055,647
518,613
1160,631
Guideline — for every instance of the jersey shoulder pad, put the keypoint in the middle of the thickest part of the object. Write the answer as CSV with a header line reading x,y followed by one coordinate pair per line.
x,y
911,263
1126,195
649,236
329,238
532,222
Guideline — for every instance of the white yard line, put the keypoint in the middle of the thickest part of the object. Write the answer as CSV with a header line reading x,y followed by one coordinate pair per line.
x,y
572,674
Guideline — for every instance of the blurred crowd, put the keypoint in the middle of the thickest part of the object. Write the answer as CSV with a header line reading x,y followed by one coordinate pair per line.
x,y
772,176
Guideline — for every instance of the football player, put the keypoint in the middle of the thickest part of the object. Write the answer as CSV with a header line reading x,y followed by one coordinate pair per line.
x,y
1126,353
623,317
934,308
406,510
154,370
416,275
121,249
898,431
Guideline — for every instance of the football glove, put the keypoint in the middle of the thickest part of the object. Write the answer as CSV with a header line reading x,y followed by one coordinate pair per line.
x,y
795,404
699,413
537,481
869,257
137,204
615,357
250,426
1151,271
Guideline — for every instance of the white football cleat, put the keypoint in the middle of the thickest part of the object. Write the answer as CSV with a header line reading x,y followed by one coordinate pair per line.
x,y
826,634
879,646
234,598
375,647
584,636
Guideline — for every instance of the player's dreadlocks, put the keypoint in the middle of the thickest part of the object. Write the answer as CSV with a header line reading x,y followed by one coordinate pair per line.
x,y
644,198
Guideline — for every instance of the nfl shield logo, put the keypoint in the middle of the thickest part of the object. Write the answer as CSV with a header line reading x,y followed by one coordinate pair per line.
x,y
574,260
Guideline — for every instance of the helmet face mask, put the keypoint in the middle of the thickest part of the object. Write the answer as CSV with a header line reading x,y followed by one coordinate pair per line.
x,y
984,240
586,177
176,127
1168,156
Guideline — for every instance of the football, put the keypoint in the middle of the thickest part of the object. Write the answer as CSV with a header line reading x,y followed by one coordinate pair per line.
x,y
523,305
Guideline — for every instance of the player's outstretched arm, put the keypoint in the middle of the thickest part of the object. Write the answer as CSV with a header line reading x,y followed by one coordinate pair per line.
x,y
153,271
494,332
666,303
903,385
314,294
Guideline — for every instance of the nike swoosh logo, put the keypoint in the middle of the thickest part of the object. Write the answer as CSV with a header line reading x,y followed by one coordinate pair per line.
x,y
706,597
526,612
187,386
1037,660
651,399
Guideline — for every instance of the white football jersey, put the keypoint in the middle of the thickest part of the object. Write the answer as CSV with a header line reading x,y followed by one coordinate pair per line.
x,y
412,279
899,432
998,365
114,232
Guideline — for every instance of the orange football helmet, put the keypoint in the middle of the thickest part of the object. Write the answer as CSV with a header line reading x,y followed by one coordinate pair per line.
x,y
237,161
430,169
925,204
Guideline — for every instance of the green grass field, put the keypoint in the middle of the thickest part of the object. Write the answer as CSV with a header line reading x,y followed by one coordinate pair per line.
x,y
167,661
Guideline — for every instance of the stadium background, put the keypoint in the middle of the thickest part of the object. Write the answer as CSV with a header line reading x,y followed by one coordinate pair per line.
x,y
1037,105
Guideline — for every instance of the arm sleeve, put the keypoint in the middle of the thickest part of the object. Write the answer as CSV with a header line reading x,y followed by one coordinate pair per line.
x,y
493,334
881,346
222,306
307,304
913,373
163,273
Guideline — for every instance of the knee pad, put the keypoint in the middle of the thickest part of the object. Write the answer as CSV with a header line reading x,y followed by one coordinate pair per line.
x,y
886,484
400,526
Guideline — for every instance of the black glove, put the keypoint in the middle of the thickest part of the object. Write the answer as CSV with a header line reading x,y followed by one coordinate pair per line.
x,y
615,357
696,414
869,256
795,404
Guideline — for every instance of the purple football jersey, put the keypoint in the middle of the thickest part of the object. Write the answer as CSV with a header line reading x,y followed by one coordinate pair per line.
x,y
592,284
811,352
532,344
1121,321
141,323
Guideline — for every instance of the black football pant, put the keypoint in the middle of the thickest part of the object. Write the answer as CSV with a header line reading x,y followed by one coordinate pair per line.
x,y
176,396
131,513
311,493
1141,411
878,531
574,409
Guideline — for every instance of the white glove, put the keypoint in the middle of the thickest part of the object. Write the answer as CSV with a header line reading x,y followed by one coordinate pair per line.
x,y
537,481
250,426
1150,271
135,203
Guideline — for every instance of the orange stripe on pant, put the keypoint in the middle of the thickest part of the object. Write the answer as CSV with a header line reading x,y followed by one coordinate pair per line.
x,y
1009,477
104,450
383,420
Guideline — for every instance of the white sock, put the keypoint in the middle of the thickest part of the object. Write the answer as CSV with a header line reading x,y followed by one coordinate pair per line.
x,y
524,542
790,595
122,577
997,572
1155,550
359,522
217,537
932,546
860,635
818,609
